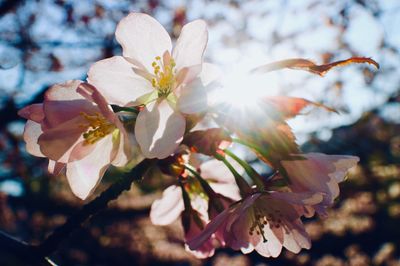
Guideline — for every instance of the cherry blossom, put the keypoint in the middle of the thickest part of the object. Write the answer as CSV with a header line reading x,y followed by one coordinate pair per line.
x,y
318,172
75,127
263,221
169,207
168,82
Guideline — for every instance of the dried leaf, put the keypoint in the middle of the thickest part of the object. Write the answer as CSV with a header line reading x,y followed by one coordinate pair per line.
x,y
307,65
289,107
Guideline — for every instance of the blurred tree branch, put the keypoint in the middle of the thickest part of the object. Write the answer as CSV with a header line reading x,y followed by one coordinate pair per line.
x,y
51,244
38,254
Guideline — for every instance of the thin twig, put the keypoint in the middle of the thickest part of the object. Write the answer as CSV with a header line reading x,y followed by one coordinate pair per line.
x,y
23,251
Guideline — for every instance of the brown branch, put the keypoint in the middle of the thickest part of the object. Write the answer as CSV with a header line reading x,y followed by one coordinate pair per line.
x,y
51,244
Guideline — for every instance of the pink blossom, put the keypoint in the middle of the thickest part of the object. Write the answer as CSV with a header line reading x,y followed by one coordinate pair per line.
x,y
264,222
75,128
171,206
168,82
319,172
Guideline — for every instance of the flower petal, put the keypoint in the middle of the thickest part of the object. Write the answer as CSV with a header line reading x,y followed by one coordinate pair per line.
x,y
142,38
193,98
32,112
159,130
32,132
190,46
117,82
84,175
166,210
55,167
64,91
57,143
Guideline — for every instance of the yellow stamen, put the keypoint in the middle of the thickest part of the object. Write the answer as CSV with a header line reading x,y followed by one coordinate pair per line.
x,y
98,127
164,79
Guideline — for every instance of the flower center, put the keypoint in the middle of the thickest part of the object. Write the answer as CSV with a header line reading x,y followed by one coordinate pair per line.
x,y
261,219
98,127
164,75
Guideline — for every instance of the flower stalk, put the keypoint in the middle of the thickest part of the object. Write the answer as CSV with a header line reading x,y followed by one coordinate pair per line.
x,y
250,171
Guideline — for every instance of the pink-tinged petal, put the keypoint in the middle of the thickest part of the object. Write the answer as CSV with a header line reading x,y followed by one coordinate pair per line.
x,y
59,112
84,175
64,91
193,99
306,198
186,76
190,46
92,94
206,251
230,191
159,130
212,226
117,82
55,167
32,132
271,248
215,170
142,38
166,210
319,173
124,149
192,230
80,150
32,112
296,237
63,102
57,143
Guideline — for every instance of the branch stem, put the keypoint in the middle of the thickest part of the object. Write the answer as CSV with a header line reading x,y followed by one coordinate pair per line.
x,y
51,244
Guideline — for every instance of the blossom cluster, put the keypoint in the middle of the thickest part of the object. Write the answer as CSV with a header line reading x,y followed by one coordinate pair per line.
x,y
155,102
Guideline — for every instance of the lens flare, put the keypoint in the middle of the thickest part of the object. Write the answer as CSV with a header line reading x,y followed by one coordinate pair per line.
x,y
242,89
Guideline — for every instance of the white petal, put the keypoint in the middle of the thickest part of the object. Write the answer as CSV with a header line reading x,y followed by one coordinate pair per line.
x,y
159,130
190,46
84,175
167,209
193,98
31,135
64,91
142,38
117,82
210,73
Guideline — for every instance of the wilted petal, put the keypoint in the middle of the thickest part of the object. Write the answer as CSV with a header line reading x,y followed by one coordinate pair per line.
x,y
167,209
117,82
190,46
142,38
84,175
159,130
289,107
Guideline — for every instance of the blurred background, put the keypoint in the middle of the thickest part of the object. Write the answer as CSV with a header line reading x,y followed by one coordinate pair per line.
x,y
46,42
